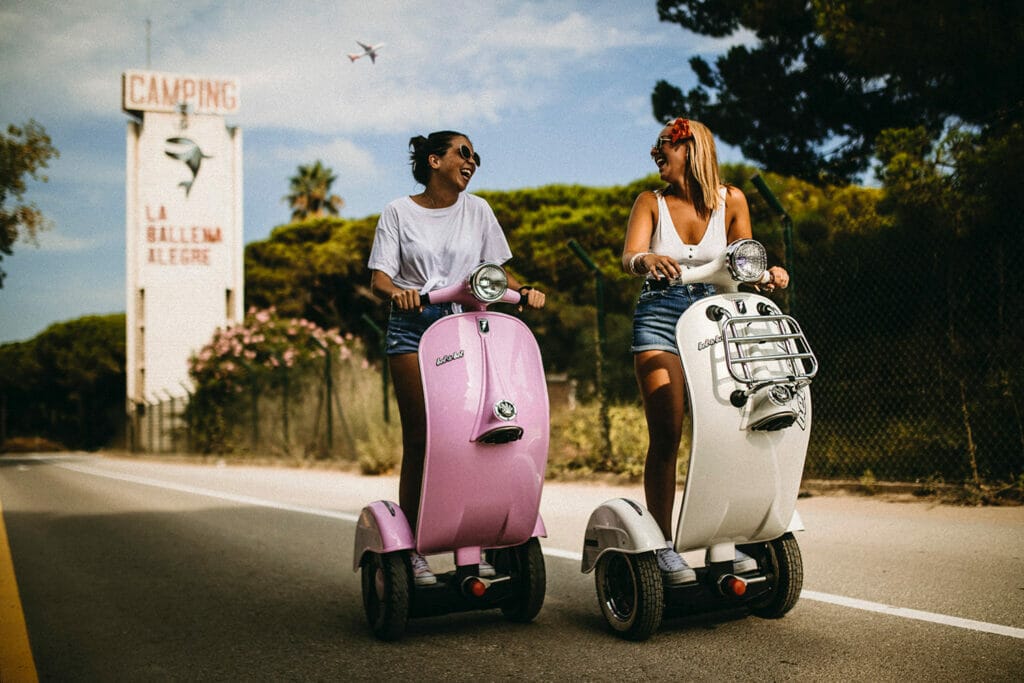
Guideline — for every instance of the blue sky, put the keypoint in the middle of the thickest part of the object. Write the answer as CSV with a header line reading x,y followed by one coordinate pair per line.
x,y
556,91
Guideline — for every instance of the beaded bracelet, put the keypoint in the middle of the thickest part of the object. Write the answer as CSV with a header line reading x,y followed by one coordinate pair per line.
x,y
632,262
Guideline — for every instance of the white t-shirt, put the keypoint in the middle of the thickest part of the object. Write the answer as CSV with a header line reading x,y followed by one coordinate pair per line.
x,y
426,249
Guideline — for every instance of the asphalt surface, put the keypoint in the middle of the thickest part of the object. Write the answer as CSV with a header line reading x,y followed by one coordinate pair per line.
x,y
140,570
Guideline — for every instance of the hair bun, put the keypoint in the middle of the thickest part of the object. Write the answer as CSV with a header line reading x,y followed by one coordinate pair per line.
x,y
416,142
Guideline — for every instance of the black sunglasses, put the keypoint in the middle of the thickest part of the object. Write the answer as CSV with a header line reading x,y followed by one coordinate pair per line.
x,y
467,155
661,141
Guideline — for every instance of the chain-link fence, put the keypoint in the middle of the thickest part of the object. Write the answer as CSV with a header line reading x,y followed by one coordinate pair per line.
x,y
321,409
920,345
159,426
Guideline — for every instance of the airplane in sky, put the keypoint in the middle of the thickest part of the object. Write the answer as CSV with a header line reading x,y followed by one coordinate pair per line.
x,y
370,50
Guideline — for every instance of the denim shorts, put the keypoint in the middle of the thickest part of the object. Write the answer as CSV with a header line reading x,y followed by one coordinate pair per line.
x,y
658,310
406,327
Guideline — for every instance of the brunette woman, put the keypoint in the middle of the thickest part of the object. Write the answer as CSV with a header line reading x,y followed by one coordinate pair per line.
x,y
424,242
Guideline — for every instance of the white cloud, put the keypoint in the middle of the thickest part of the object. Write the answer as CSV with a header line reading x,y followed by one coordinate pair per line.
x,y
343,156
552,90
460,62
54,241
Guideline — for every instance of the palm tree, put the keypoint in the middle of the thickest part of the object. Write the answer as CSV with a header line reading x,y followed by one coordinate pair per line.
x,y
311,192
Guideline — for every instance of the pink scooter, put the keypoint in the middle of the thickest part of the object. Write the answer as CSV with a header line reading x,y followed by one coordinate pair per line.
x,y
487,443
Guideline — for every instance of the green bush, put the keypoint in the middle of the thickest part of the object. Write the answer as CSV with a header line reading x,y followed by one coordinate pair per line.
x,y
576,447
380,452
66,385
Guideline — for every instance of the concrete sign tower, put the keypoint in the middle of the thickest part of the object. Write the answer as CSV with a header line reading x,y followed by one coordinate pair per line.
x,y
183,226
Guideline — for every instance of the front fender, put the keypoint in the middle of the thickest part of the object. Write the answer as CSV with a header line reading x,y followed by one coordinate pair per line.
x,y
619,525
382,528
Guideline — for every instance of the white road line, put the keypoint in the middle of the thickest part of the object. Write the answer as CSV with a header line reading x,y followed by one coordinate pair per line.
x,y
842,601
209,493
907,613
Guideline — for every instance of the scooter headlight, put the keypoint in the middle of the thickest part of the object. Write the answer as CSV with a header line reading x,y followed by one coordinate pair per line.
x,y
747,260
488,282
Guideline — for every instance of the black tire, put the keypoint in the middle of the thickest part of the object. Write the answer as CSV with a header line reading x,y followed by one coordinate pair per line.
x,y
386,580
788,566
525,563
630,593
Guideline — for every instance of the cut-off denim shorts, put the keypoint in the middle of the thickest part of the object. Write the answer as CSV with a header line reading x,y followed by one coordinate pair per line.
x,y
406,327
658,310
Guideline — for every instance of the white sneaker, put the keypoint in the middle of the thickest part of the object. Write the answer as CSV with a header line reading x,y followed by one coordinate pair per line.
x,y
674,569
421,574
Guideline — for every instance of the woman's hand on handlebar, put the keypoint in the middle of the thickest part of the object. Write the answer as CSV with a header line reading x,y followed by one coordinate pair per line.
x,y
778,278
532,298
406,299
661,266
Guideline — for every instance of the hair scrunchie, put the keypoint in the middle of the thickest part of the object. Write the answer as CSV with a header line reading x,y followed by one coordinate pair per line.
x,y
680,130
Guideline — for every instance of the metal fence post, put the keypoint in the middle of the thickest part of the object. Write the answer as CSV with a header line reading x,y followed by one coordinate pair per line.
x,y
172,420
160,429
787,235
285,399
189,441
254,412
330,395
383,362
149,424
599,362
328,389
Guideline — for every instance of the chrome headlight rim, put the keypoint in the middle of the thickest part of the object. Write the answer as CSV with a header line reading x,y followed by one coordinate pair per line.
x,y
488,282
747,260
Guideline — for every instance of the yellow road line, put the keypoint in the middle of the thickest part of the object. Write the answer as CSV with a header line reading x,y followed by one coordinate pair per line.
x,y
16,663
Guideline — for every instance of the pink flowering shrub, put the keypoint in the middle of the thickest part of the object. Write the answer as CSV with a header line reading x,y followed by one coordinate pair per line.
x,y
262,352
260,346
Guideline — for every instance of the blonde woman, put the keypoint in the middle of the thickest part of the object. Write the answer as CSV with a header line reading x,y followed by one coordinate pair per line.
x,y
683,225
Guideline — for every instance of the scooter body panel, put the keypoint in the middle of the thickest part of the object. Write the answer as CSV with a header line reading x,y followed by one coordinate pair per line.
x,y
487,414
742,483
619,525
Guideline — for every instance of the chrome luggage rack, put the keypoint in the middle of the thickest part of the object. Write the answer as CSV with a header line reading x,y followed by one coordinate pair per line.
x,y
766,350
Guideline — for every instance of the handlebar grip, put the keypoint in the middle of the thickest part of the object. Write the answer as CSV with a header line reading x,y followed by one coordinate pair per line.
x,y
521,301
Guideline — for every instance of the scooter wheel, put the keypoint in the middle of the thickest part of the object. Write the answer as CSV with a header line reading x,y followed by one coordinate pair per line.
x,y
525,564
788,566
630,593
385,580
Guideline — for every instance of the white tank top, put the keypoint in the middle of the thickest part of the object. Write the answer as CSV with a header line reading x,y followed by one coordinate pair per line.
x,y
667,242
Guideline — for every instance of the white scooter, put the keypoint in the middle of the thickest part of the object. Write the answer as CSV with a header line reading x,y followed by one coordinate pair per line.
x,y
748,369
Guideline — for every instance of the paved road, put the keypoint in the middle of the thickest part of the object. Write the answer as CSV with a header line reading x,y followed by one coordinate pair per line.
x,y
141,570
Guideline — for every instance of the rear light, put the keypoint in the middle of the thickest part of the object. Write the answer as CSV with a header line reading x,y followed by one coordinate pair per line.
x,y
475,587
733,586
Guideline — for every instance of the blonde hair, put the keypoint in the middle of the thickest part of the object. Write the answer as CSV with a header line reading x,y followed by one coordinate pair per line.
x,y
702,176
